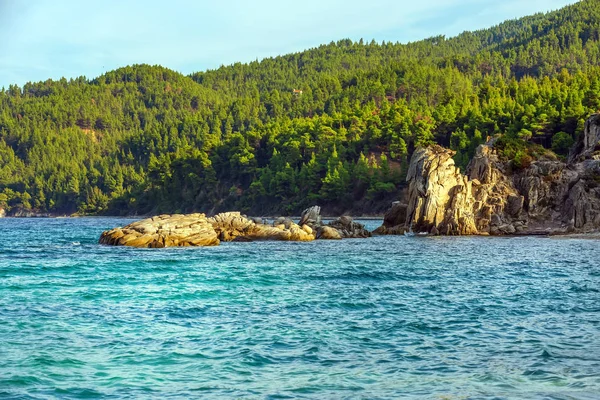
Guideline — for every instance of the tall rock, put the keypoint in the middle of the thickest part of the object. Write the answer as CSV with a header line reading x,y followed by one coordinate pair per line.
x,y
441,200
547,197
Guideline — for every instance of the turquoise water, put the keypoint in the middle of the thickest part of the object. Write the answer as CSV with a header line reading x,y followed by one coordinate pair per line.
x,y
387,317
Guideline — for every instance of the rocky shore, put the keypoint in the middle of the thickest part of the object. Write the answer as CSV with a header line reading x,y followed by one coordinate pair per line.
x,y
199,230
494,198
548,197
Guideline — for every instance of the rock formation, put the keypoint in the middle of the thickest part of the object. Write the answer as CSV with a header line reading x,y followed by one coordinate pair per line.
x,y
393,220
164,231
547,197
340,228
232,226
198,230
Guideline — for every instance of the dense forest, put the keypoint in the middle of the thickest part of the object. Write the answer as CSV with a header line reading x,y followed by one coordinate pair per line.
x,y
333,125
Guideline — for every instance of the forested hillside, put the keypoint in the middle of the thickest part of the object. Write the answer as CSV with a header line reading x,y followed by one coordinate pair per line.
x,y
332,126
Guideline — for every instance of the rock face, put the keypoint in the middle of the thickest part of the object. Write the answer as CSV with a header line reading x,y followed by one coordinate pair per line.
x,y
547,197
2,212
588,144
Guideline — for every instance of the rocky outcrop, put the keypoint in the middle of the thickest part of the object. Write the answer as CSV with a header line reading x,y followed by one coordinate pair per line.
x,y
198,230
547,197
348,228
340,228
164,231
394,220
2,212
311,216
232,226
328,233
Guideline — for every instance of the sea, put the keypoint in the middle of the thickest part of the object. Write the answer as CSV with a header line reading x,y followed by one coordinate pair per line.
x,y
382,318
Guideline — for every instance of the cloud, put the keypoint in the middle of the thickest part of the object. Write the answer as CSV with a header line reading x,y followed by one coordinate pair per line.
x,y
42,39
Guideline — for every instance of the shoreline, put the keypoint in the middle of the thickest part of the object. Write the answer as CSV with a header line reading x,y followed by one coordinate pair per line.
x,y
59,216
594,235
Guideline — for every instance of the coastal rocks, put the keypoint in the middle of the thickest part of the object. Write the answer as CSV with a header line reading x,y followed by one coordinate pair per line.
x,y
548,197
232,226
443,201
340,228
440,198
19,212
164,231
348,228
311,216
198,230
394,220
2,212
329,233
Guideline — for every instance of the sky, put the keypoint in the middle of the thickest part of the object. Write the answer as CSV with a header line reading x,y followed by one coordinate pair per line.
x,y
41,39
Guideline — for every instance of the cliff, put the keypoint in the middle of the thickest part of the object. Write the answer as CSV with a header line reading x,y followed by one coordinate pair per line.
x,y
495,198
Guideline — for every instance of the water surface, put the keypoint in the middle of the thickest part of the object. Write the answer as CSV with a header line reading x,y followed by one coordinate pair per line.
x,y
387,317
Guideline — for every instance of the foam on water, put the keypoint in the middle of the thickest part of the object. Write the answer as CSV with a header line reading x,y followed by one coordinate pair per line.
x,y
386,317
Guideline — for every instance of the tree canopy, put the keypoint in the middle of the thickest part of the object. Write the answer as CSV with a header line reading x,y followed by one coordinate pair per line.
x,y
146,139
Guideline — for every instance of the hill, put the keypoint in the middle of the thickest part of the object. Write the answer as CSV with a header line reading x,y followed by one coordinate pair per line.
x,y
332,125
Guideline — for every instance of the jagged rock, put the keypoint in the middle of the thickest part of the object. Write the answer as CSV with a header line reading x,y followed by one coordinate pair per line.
x,y
547,197
344,226
2,212
588,143
311,216
443,201
440,198
347,228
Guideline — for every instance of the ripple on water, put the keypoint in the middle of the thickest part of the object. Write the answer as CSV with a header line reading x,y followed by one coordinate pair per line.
x,y
387,317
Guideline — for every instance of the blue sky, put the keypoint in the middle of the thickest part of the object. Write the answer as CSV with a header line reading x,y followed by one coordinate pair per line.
x,y
41,39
